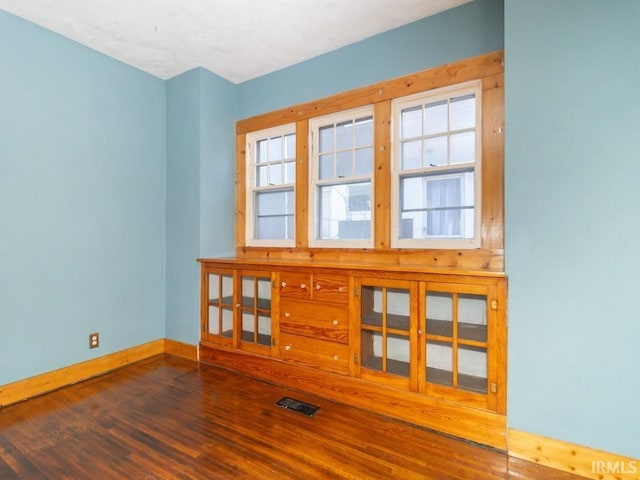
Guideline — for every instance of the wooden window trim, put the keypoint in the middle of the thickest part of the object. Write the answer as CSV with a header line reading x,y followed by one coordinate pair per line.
x,y
490,256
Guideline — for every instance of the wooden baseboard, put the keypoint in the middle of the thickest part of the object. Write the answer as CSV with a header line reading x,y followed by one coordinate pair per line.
x,y
46,382
180,349
568,457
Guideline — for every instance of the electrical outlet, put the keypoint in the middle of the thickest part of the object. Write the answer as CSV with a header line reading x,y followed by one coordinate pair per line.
x,y
94,340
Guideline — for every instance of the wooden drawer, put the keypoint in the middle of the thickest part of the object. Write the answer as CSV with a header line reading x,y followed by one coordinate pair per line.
x,y
295,285
326,321
329,356
330,288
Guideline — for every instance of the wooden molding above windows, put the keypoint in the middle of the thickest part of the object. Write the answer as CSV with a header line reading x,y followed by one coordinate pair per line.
x,y
489,69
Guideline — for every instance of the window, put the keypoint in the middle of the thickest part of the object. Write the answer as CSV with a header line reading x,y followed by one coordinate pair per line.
x,y
410,169
436,168
341,171
271,176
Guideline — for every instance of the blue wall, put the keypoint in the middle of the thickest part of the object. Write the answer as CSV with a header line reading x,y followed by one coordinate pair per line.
x,y
465,31
200,189
183,203
217,168
82,200
572,223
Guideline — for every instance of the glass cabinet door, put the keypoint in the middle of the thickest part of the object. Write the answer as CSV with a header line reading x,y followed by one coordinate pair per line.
x,y
218,326
386,345
455,341
255,310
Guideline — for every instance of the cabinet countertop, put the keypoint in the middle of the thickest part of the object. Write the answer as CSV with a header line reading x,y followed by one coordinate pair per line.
x,y
359,266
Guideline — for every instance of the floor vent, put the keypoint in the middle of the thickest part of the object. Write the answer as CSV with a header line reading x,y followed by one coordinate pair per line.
x,y
297,406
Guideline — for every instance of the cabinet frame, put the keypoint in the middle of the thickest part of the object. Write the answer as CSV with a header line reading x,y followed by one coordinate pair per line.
x,y
477,417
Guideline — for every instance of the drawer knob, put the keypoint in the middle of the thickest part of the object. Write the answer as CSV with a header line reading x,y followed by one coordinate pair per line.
x,y
318,287
283,284
287,314
287,347
303,286
335,357
237,305
341,289
420,332
335,322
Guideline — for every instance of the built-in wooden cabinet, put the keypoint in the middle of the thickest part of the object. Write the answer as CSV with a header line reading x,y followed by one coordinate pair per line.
x,y
421,344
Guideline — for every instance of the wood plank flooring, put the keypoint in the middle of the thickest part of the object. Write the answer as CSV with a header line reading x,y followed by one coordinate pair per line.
x,y
170,418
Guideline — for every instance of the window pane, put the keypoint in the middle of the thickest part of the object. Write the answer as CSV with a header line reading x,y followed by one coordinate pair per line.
x,y
290,172
435,151
411,155
364,132
435,117
463,112
271,228
290,146
274,219
274,203
463,147
413,193
443,193
411,122
289,201
344,164
344,135
275,174
326,166
289,227
437,206
275,148
261,176
443,223
345,211
261,151
413,225
364,161
326,139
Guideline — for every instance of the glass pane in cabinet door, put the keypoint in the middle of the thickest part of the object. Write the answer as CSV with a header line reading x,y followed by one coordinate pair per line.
x,y
214,320
264,330
398,355
439,314
472,317
248,292
371,350
472,369
227,322
440,363
371,313
264,294
248,327
397,304
220,289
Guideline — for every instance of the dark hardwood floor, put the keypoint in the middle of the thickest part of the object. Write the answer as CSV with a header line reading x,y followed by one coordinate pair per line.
x,y
169,418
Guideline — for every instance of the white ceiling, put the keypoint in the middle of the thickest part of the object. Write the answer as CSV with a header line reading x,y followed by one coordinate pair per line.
x,y
236,39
